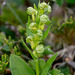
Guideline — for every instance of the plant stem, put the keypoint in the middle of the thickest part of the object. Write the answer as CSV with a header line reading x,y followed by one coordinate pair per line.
x,y
27,49
37,67
33,17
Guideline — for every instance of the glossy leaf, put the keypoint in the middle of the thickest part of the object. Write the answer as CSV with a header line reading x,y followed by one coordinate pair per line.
x,y
48,64
19,66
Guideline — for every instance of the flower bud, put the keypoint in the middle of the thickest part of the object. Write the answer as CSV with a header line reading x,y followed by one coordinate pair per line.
x,y
40,49
31,11
32,26
44,19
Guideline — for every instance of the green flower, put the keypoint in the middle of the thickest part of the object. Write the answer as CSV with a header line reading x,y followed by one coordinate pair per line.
x,y
38,52
31,11
42,5
44,19
40,49
39,34
30,40
49,9
32,26
44,8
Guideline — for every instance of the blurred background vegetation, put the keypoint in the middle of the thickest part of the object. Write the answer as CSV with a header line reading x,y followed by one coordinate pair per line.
x,y
13,19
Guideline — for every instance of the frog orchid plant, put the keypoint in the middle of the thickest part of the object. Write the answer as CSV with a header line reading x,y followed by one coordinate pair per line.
x,y
35,36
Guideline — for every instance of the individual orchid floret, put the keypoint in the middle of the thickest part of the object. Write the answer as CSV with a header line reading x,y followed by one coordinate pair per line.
x,y
38,52
49,9
31,11
29,39
39,33
44,19
44,8
40,49
32,26
42,5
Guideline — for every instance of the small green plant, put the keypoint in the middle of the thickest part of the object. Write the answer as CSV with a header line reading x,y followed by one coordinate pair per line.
x,y
35,36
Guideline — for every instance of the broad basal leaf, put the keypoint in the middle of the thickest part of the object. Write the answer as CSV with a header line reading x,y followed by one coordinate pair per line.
x,y
19,66
48,64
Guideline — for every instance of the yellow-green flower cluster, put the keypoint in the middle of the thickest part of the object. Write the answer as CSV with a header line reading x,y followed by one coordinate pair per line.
x,y
3,63
40,19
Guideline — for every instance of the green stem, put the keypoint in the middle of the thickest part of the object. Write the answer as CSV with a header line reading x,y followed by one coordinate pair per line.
x,y
37,67
28,49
